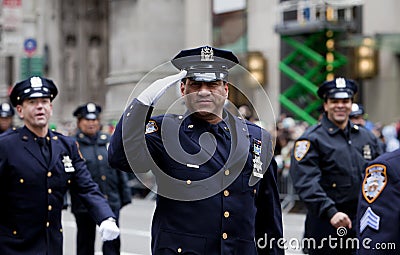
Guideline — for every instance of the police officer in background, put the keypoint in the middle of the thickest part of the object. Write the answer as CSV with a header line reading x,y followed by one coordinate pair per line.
x,y
223,201
327,164
113,184
378,211
6,117
37,167
357,116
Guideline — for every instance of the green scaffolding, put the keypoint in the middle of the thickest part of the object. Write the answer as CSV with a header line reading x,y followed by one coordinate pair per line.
x,y
307,67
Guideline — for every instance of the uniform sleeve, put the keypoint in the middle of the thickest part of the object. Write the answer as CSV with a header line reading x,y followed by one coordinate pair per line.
x,y
87,190
269,214
306,174
378,212
128,148
124,189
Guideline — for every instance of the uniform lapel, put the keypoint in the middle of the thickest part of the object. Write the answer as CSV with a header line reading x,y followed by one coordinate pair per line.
x,y
56,150
32,146
240,141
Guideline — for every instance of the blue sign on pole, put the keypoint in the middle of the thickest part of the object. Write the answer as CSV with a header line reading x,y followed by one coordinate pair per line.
x,y
30,45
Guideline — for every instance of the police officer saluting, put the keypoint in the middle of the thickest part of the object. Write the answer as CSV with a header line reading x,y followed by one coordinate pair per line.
x,y
216,178
328,161
37,167
6,117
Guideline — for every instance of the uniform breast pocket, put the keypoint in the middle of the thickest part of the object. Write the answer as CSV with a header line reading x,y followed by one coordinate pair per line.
x,y
189,173
170,243
337,186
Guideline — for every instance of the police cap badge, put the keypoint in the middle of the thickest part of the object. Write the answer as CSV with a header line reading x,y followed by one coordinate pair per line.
x,y
34,87
89,111
6,110
205,63
337,88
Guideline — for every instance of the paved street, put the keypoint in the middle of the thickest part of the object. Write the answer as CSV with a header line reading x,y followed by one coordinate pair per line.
x,y
135,228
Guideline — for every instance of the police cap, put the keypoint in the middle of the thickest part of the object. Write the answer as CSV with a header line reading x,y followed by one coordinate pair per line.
x,y
6,110
356,110
337,88
205,63
89,111
34,87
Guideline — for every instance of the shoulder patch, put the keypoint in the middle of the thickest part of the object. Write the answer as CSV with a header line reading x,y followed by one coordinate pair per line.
x,y
300,149
151,127
374,182
79,151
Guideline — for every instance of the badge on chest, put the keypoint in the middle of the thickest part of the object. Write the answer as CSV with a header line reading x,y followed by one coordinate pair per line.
x,y
68,167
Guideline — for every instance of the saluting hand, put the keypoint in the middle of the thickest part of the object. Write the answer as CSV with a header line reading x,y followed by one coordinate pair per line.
x,y
150,95
341,219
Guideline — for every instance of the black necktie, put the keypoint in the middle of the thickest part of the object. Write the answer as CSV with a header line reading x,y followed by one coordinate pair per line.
x,y
44,148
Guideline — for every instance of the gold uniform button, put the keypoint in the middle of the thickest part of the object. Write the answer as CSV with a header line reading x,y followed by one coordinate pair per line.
x,y
21,180
226,193
224,236
14,232
179,250
49,191
188,182
103,177
334,185
255,191
47,224
226,214
227,172
61,230
49,174
100,157
69,181
49,207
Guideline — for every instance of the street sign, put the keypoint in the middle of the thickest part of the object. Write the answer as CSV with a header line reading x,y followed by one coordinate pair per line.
x,y
30,46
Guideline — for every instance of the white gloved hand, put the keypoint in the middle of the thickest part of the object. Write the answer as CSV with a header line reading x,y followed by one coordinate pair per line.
x,y
108,230
150,95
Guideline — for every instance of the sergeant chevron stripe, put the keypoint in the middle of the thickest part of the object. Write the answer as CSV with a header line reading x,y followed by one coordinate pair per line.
x,y
369,219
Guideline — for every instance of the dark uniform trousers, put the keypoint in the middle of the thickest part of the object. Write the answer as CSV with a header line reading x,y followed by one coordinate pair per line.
x,y
114,186
209,217
32,192
326,167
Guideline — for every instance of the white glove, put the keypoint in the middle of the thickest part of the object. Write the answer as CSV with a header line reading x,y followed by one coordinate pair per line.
x,y
108,230
150,95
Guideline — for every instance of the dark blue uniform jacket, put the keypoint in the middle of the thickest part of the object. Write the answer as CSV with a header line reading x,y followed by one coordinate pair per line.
x,y
113,184
378,215
31,193
214,205
327,166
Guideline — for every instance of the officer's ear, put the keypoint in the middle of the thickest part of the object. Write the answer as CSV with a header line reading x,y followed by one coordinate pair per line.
x,y
226,87
183,83
20,111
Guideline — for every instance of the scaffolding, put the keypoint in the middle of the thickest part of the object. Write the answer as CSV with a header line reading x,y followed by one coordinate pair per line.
x,y
310,28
